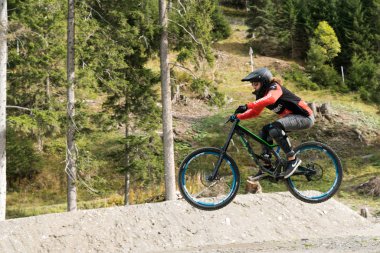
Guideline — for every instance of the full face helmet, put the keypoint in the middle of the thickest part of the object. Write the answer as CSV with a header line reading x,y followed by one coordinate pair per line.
x,y
262,75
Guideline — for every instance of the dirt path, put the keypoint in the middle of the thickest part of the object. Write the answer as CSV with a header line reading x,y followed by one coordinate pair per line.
x,y
352,244
251,223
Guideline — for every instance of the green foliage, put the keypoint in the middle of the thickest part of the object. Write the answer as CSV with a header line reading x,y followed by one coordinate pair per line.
x,y
326,41
40,124
146,165
22,160
326,76
324,46
115,91
36,69
234,3
295,74
217,98
115,53
316,55
288,28
358,29
206,90
288,18
262,26
114,41
193,26
365,76
183,55
221,28
199,85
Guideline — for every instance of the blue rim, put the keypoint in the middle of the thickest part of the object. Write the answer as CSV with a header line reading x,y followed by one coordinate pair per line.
x,y
336,174
200,202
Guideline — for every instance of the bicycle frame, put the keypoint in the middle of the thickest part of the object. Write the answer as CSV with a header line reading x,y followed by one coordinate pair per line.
x,y
242,132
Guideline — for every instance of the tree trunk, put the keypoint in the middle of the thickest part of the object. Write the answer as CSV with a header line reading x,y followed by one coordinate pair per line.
x,y
364,212
40,141
127,187
166,106
48,93
3,104
127,163
71,151
176,95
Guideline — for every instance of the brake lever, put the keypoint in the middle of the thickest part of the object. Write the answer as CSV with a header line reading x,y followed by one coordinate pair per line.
x,y
229,119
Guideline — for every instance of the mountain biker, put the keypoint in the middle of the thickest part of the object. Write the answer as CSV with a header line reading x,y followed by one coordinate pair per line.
x,y
294,113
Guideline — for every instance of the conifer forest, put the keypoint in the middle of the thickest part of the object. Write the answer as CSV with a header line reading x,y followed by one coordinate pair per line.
x,y
87,86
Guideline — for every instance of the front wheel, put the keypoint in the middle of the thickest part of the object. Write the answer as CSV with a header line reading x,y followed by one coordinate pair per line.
x,y
320,174
196,185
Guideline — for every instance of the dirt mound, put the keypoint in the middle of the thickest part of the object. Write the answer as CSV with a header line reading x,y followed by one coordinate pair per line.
x,y
175,225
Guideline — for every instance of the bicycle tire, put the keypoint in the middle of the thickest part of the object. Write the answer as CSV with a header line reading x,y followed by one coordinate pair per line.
x,y
331,154
184,172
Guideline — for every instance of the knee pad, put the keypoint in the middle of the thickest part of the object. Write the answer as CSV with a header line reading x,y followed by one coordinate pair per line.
x,y
276,133
279,135
276,130
264,134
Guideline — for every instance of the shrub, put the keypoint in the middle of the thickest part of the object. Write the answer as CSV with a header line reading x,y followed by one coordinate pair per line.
x,y
199,85
364,75
22,160
326,76
302,80
221,28
206,90
324,47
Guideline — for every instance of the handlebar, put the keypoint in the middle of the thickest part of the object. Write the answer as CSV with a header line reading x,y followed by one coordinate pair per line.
x,y
232,118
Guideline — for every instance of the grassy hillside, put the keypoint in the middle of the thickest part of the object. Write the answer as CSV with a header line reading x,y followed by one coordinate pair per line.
x,y
196,124
351,117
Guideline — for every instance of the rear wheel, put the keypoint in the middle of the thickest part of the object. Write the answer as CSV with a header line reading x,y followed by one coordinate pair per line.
x,y
320,174
196,186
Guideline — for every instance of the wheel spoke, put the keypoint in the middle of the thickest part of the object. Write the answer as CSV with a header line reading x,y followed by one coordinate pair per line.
x,y
319,175
196,186
198,194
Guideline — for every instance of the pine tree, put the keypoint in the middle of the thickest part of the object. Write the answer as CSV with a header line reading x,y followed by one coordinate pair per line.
x,y
115,45
3,104
372,17
221,28
354,32
36,66
324,47
71,155
36,53
193,26
166,105
365,77
287,24
263,26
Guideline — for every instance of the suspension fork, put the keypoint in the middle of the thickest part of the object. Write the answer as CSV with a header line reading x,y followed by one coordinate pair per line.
x,y
223,153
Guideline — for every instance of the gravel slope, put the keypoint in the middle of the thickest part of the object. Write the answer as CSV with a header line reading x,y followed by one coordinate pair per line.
x,y
264,222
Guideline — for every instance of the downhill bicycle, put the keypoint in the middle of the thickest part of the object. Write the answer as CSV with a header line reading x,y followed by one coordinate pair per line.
x,y
209,178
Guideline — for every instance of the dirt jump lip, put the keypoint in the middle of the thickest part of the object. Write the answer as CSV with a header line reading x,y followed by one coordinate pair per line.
x,y
175,225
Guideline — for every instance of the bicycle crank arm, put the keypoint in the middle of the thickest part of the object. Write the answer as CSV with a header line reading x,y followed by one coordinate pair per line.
x,y
252,179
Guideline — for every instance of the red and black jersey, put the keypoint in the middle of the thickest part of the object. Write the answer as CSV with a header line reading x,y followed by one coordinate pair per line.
x,y
278,99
